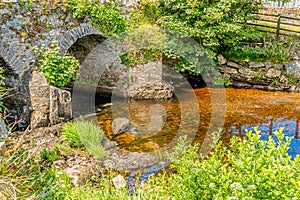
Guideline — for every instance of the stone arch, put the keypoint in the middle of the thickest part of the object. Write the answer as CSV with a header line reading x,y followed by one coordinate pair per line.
x,y
83,46
76,35
17,58
15,61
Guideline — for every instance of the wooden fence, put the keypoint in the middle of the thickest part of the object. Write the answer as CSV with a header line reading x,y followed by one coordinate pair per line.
x,y
278,24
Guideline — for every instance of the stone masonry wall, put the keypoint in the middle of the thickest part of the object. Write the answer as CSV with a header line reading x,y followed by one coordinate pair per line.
x,y
22,28
261,75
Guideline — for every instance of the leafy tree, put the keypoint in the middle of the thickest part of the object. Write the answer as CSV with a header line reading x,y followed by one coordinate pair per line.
x,y
212,23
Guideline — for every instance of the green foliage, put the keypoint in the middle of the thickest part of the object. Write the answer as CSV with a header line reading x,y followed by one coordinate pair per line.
x,y
211,23
58,70
191,58
105,17
293,80
140,57
23,173
84,134
275,82
142,45
248,54
70,134
259,75
278,52
49,156
250,169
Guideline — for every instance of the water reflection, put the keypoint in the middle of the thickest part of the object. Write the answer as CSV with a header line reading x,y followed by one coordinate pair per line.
x,y
291,128
245,109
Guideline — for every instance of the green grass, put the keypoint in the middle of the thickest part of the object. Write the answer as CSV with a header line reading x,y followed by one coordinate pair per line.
x,y
250,169
84,134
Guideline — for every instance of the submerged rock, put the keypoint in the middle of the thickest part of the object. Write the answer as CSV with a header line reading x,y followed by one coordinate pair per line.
x,y
107,143
120,125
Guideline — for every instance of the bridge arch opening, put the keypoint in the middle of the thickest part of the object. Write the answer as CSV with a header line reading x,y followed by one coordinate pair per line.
x,y
83,46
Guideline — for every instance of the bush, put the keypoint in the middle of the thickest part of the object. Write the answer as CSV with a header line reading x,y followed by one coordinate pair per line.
x,y
58,70
249,169
84,134
142,45
278,52
212,24
105,17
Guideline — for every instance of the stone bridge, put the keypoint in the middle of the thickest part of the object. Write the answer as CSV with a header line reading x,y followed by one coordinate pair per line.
x,y
24,27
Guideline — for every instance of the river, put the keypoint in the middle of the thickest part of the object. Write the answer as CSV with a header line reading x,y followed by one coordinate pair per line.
x,y
243,109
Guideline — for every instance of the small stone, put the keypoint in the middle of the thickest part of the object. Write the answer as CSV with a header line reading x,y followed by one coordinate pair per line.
x,y
107,143
292,89
273,73
233,64
3,130
246,71
293,67
221,60
278,66
74,175
256,64
120,125
269,64
119,181
227,69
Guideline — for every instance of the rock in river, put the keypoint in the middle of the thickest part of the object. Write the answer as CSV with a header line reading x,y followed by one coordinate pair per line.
x,y
120,125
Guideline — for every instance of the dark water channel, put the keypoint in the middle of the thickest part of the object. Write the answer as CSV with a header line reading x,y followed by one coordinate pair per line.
x,y
245,109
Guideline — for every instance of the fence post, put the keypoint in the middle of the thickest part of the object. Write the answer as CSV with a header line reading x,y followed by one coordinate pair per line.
x,y
278,26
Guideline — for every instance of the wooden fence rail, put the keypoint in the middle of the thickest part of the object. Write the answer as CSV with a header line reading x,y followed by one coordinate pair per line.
x,y
291,27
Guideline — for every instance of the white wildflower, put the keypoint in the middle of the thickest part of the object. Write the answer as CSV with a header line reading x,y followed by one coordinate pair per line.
x,y
235,186
212,185
251,187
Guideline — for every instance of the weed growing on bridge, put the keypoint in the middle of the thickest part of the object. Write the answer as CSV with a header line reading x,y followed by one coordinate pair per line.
x,y
58,70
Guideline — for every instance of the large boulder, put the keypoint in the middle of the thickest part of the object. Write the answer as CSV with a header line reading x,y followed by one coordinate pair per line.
x,y
50,105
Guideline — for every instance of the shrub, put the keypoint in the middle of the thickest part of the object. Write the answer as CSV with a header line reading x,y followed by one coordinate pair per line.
x,y
84,134
58,70
278,52
142,45
105,17
212,24
249,169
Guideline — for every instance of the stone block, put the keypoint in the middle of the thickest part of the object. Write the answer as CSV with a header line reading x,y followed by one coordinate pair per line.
x,y
50,105
233,64
39,90
273,73
227,69
221,60
38,119
256,64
